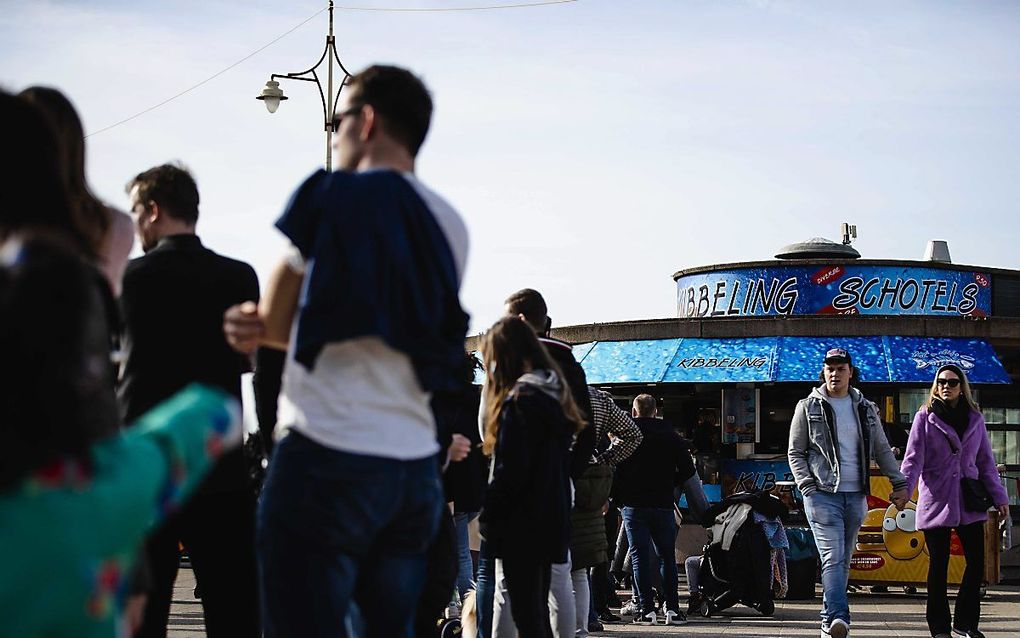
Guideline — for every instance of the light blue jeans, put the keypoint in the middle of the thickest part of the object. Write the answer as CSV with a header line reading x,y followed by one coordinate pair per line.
x,y
465,567
835,521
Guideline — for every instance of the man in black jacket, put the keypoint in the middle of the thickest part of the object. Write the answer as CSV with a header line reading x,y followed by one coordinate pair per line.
x,y
644,489
173,303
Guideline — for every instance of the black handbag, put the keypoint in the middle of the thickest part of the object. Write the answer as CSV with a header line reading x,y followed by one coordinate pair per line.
x,y
975,495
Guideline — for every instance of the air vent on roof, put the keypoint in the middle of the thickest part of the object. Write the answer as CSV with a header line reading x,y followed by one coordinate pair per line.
x,y
818,248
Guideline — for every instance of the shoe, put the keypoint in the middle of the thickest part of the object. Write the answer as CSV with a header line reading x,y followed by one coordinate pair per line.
x,y
942,635
694,603
767,608
675,617
838,628
608,616
647,618
967,633
596,626
630,609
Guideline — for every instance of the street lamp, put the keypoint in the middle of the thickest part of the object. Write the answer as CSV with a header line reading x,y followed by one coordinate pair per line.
x,y
272,94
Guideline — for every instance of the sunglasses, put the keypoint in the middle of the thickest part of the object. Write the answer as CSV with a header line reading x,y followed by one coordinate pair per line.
x,y
338,117
952,383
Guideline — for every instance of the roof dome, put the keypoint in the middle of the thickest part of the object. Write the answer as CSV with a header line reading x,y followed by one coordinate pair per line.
x,y
818,248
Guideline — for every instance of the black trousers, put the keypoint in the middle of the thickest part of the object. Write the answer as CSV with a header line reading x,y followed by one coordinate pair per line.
x,y
527,581
968,600
218,531
601,585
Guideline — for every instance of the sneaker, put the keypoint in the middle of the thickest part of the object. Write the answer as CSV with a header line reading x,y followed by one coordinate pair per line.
x,y
630,609
608,616
675,617
838,628
647,618
694,603
967,633
595,626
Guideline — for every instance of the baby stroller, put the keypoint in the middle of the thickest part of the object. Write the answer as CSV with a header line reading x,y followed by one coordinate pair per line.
x,y
737,564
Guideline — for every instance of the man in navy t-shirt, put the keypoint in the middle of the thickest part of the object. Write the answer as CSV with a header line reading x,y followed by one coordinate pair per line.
x,y
366,305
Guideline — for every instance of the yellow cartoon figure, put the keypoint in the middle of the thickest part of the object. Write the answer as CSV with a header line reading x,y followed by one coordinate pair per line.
x,y
899,531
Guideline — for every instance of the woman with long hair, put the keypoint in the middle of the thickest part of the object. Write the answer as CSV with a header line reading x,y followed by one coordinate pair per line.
x,y
950,456
530,421
109,233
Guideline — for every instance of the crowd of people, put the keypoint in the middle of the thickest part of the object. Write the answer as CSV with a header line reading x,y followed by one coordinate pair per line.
x,y
119,408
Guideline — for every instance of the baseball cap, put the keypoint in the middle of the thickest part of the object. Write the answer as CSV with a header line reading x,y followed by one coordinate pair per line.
x,y
837,355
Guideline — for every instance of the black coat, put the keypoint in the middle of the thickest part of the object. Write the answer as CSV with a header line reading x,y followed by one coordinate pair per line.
x,y
527,504
647,477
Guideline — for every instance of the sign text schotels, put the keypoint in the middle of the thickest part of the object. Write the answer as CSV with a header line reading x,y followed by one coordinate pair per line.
x,y
845,289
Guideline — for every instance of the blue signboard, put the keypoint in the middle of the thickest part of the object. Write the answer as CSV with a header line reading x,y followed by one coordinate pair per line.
x,y
844,289
785,359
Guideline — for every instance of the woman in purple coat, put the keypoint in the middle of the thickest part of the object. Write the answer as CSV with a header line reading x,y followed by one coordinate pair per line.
x,y
949,443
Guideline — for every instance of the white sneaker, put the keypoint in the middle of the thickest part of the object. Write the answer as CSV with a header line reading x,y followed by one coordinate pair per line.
x,y
837,629
650,618
675,617
630,609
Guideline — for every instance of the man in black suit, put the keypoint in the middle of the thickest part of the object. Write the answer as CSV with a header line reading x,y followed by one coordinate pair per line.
x,y
173,303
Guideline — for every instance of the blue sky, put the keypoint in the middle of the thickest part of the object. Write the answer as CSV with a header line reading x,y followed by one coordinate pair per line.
x,y
593,148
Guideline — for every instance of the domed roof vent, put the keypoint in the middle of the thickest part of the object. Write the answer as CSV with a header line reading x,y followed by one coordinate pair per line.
x,y
818,248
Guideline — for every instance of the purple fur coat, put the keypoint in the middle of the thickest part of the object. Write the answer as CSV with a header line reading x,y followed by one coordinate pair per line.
x,y
930,458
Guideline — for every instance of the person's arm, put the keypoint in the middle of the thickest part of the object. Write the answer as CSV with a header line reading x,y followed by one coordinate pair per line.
x,y
913,458
626,434
249,325
882,452
797,453
989,474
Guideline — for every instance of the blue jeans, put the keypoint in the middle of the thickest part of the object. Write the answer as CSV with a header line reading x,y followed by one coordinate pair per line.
x,y
465,567
835,521
485,591
334,526
657,527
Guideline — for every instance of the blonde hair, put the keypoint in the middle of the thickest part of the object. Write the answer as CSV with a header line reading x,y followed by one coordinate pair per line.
x,y
964,387
509,348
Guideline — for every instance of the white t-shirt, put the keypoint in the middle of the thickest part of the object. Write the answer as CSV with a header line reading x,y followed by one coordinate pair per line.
x,y
363,396
848,434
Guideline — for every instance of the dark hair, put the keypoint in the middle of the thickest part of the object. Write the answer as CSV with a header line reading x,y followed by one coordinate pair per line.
x,y
531,304
400,97
90,215
56,384
32,185
171,186
507,346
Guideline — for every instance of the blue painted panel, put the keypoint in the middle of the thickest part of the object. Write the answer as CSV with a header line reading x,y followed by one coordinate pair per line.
x,y
581,350
629,361
800,358
723,361
917,359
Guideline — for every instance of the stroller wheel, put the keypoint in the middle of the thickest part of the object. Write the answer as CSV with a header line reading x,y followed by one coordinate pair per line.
x,y
450,628
706,609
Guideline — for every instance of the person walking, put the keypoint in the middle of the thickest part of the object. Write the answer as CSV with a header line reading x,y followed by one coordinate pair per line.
x,y
834,435
949,456
370,289
172,302
645,483
530,423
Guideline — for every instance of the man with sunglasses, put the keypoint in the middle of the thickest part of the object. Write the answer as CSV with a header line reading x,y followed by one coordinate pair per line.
x,y
352,499
834,435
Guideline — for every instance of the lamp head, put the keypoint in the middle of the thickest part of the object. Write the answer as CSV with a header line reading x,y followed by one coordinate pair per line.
x,y
272,95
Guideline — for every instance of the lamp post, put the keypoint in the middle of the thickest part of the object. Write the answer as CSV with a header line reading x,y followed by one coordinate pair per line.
x,y
272,94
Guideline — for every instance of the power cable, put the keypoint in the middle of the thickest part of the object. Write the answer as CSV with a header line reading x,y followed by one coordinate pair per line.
x,y
309,19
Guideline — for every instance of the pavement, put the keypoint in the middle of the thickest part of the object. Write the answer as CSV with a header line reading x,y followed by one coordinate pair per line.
x,y
874,616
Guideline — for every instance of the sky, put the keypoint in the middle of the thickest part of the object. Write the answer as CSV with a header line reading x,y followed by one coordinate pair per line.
x,y
594,148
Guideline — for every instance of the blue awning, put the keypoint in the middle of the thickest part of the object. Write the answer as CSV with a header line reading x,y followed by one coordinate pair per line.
x,y
784,359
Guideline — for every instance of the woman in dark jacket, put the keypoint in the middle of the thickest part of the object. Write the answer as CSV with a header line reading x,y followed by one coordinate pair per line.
x,y
530,423
948,447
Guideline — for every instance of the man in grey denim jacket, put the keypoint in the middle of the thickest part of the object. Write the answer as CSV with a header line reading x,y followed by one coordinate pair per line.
x,y
834,434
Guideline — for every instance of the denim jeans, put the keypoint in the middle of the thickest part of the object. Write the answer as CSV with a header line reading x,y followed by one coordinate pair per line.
x,y
485,591
465,566
656,527
835,521
334,526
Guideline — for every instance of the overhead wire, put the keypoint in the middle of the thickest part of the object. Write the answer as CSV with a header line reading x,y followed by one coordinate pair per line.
x,y
212,77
